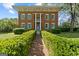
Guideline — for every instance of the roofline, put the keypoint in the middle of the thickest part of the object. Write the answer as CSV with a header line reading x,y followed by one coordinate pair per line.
x,y
16,7
39,6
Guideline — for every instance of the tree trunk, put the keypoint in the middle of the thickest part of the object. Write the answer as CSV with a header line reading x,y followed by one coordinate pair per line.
x,y
72,17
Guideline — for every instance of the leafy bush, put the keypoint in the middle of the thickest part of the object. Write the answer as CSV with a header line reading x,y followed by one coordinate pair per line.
x,y
60,46
56,31
68,29
18,30
65,29
18,46
75,29
7,25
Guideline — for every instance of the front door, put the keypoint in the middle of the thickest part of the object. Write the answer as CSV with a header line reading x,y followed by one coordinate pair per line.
x,y
38,26
38,21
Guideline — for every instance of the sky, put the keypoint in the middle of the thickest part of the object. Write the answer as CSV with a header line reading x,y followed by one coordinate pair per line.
x,y
7,11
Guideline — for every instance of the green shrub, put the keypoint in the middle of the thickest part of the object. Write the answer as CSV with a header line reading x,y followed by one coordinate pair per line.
x,y
56,31
75,29
17,46
78,30
18,30
65,29
68,29
7,25
60,46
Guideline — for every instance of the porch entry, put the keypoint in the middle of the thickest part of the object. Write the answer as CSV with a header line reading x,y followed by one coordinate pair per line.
x,y
37,21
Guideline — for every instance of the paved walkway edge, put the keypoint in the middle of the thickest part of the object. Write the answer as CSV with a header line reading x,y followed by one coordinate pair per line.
x,y
45,50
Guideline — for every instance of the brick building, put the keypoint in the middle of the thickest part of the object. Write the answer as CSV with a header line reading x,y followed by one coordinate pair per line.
x,y
37,17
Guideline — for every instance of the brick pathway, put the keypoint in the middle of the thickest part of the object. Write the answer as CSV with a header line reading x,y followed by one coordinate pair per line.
x,y
38,48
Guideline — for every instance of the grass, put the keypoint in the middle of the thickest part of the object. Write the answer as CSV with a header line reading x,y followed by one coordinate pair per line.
x,y
7,35
69,34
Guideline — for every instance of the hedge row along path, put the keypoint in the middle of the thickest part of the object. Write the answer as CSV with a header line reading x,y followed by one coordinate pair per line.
x,y
38,48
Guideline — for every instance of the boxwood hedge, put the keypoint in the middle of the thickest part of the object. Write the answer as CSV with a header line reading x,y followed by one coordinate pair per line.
x,y
19,30
60,46
18,46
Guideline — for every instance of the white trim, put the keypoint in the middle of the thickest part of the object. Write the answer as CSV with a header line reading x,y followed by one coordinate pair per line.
x,y
52,14
29,14
40,21
46,14
22,23
29,24
35,21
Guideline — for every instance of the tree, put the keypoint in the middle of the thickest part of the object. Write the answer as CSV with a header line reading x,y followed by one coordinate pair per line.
x,y
7,25
72,9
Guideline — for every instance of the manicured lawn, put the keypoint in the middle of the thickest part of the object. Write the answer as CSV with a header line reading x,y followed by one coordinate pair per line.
x,y
69,34
7,35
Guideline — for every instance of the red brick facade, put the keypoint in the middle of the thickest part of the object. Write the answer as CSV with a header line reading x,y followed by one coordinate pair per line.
x,y
42,17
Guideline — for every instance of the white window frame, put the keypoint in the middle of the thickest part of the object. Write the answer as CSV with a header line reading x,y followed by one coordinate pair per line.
x,y
47,25
22,17
53,26
47,16
29,15
23,25
53,17
28,25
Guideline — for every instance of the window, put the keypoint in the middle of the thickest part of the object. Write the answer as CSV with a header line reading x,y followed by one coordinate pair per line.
x,y
38,17
46,16
46,25
22,25
29,16
29,26
53,16
22,16
53,26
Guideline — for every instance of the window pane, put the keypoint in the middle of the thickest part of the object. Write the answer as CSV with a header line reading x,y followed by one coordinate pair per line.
x,y
29,26
22,16
23,25
29,16
38,17
53,16
46,25
47,17
53,26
